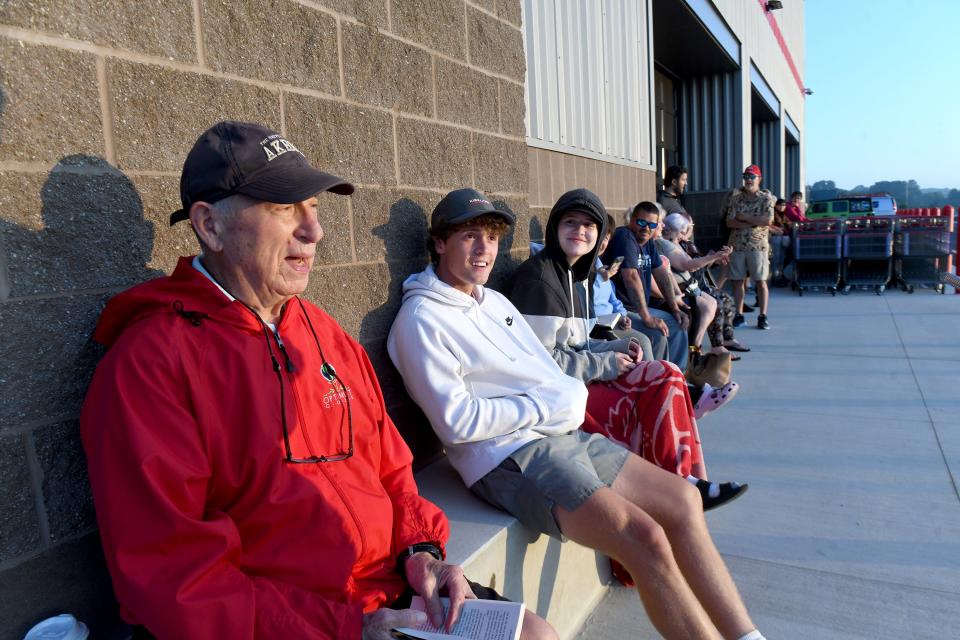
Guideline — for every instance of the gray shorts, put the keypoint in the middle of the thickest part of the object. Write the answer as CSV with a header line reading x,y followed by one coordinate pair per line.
x,y
556,470
755,264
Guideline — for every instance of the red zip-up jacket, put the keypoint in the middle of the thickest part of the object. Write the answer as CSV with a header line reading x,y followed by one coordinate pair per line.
x,y
208,532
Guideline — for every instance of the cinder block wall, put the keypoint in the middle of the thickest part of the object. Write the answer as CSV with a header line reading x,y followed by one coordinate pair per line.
x,y
100,102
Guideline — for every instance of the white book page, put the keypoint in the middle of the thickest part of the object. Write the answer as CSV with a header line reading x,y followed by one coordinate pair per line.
x,y
609,319
479,620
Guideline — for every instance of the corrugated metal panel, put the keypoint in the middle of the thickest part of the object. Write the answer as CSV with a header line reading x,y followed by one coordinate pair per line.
x,y
709,113
766,153
588,76
792,172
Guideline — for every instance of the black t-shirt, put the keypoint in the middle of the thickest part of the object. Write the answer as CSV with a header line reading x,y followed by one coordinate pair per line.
x,y
671,203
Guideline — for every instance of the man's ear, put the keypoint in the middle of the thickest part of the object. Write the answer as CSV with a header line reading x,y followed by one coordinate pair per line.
x,y
439,245
206,225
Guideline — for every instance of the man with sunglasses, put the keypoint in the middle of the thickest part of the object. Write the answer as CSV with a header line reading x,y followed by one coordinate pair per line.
x,y
248,480
642,264
748,211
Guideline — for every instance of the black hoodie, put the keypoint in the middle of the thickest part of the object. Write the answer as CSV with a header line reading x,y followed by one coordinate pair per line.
x,y
554,297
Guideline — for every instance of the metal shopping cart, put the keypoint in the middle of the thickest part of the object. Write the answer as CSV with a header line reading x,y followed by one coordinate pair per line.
x,y
867,253
817,254
921,248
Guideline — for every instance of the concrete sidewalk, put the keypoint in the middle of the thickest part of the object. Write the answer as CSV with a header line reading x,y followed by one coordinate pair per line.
x,y
847,428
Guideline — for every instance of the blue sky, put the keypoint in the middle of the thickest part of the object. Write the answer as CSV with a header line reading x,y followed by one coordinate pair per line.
x,y
886,82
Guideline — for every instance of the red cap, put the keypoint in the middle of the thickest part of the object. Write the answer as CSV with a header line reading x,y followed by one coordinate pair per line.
x,y
754,169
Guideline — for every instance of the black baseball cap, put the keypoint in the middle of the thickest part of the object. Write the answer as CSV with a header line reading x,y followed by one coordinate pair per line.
x,y
249,159
462,205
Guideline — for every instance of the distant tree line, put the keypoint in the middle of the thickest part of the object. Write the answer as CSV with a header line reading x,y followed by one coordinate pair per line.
x,y
907,192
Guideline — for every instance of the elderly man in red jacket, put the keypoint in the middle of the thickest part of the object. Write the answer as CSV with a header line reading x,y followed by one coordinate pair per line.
x,y
247,478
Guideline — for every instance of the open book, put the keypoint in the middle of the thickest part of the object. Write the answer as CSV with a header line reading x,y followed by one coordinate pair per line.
x,y
479,620
609,320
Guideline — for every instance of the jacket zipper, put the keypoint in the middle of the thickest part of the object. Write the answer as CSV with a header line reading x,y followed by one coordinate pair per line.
x,y
348,505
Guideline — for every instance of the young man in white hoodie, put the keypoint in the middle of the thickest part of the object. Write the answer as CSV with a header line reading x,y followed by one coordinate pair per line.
x,y
509,419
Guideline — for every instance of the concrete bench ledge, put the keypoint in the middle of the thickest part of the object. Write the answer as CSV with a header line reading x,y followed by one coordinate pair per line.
x,y
562,582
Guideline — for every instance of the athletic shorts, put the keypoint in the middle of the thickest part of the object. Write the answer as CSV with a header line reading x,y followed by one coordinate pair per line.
x,y
552,471
756,264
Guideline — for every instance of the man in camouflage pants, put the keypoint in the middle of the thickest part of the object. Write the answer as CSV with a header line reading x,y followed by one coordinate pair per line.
x,y
748,211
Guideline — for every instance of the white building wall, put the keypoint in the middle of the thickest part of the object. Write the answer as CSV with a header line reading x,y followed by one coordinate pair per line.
x,y
749,23
589,78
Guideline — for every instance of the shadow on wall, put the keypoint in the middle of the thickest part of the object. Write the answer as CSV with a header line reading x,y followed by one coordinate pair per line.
x,y
89,241
506,262
404,238
4,276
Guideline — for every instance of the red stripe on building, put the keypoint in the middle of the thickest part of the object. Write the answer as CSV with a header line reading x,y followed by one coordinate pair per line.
x,y
783,44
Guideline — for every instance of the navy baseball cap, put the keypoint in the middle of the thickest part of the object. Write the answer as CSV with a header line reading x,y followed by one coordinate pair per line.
x,y
462,205
249,159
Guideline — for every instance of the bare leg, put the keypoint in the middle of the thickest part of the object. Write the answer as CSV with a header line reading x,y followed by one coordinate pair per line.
x,y
708,308
676,506
737,295
763,295
536,628
699,470
613,525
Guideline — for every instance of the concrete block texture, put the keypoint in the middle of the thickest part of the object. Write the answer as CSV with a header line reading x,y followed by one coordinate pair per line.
x,y
363,298
66,489
437,24
273,40
70,577
159,113
433,155
385,72
46,356
160,196
513,109
19,524
510,10
51,225
466,96
371,12
495,45
500,164
391,224
38,124
514,246
162,28
355,143
333,212
488,5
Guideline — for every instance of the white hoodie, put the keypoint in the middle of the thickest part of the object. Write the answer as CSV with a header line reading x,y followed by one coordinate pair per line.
x,y
479,373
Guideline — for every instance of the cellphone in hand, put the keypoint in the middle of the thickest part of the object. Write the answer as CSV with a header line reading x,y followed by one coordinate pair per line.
x,y
616,262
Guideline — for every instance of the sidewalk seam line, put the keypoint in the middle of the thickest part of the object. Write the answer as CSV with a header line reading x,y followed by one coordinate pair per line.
x,y
838,574
923,397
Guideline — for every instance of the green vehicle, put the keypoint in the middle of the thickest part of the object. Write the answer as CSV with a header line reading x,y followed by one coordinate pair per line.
x,y
843,208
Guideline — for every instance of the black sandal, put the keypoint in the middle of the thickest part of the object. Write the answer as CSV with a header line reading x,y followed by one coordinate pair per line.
x,y
728,492
736,347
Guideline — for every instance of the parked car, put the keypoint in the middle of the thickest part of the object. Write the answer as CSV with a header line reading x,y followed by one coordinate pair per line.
x,y
840,208
881,204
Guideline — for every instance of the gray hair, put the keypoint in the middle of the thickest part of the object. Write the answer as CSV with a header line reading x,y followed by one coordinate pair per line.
x,y
676,223
224,208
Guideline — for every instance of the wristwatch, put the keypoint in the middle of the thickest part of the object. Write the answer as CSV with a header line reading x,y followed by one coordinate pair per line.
x,y
428,547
